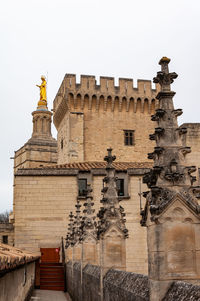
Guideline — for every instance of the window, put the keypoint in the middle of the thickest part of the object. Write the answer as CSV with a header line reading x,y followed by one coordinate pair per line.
x,y
5,239
82,187
128,137
120,187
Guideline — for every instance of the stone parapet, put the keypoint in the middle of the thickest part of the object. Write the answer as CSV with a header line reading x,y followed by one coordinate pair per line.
x,y
121,286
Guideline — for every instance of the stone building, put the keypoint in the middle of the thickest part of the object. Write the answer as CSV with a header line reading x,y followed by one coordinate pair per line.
x,y
50,176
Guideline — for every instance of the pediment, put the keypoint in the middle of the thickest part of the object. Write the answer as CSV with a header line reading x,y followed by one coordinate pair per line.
x,y
89,238
113,231
179,210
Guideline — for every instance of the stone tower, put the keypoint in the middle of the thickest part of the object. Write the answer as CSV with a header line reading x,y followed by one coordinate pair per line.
x,y
41,148
172,211
84,112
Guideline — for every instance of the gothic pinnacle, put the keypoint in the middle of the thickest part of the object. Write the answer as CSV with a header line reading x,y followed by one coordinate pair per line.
x,y
170,175
110,213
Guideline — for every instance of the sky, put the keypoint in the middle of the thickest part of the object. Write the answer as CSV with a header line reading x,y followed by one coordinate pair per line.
x,y
95,37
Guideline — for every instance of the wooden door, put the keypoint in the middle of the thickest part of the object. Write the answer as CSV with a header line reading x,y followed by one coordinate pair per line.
x,y
50,254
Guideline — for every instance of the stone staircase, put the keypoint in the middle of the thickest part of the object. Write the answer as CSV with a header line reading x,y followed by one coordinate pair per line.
x,y
52,276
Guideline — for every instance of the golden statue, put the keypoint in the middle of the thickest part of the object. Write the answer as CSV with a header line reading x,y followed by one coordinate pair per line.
x,y
43,92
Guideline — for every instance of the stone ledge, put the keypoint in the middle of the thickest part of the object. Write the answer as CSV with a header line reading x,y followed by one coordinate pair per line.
x,y
181,291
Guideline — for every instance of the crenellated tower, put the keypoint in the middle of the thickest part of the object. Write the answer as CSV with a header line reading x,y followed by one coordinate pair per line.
x,y
89,117
172,211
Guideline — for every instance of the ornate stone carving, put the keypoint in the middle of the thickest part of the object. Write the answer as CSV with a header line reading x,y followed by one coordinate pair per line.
x,y
111,213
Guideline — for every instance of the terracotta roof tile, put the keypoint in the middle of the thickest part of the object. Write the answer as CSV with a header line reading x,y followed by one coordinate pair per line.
x,y
11,257
86,166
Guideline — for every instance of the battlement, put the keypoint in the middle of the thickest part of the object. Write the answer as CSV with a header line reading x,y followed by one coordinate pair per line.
x,y
88,94
107,85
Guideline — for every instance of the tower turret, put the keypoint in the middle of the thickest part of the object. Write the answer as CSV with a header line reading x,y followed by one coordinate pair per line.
x,y
41,148
42,124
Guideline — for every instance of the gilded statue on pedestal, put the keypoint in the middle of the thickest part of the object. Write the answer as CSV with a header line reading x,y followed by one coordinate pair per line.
x,y
43,91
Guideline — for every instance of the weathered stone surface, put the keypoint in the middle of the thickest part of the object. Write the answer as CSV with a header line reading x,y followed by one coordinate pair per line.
x,y
182,291
77,282
120,285
7,229
69,278
15,286
91,283
172,210
84,112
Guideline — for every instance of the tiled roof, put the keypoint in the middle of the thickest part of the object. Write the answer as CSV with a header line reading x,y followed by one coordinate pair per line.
x,y
86,166
11,257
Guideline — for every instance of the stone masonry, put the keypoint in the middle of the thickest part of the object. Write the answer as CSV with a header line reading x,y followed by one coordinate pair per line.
x,y
81,112
172,212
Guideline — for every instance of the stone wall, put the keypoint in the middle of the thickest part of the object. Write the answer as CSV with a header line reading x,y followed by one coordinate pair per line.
x,y
41,209
7,229
17,284
42,205
193,140
121,286
118,285
36,154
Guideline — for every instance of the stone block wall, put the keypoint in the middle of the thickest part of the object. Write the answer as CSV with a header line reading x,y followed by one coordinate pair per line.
x,y
42,205
41,209
16,285
98,109
193,140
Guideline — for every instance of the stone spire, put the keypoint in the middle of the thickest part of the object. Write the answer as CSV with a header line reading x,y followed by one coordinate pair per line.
x,y
111,214
88,221
171,212
170,175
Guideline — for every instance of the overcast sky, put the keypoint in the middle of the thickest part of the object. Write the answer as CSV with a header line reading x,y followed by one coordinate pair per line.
x,y
98,37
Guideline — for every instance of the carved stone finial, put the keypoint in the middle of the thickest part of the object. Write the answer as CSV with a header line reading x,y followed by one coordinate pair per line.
x,y
109,158
164,78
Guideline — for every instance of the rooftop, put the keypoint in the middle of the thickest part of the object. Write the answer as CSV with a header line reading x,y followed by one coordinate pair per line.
x,y
11,257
